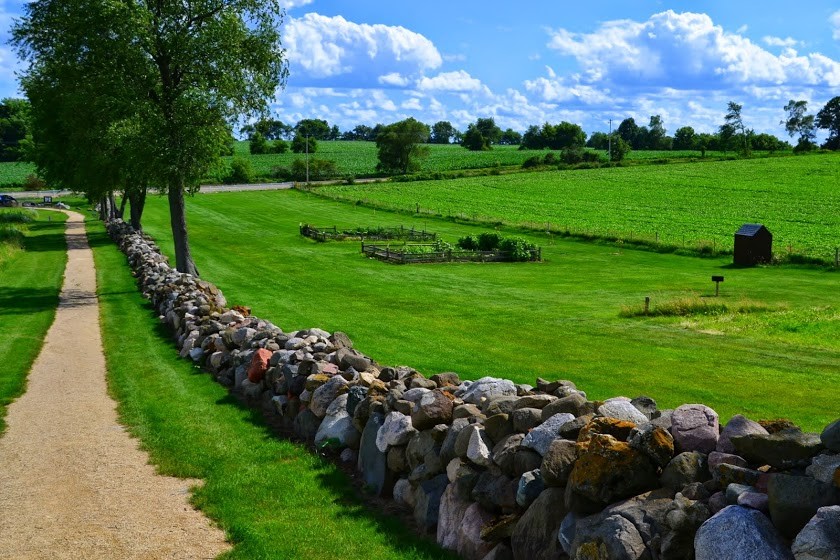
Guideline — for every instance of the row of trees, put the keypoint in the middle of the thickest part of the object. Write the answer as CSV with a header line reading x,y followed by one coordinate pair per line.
x,y
132,96
732,135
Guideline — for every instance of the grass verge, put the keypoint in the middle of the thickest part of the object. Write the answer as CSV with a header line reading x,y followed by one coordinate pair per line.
x,y
32,261
274,499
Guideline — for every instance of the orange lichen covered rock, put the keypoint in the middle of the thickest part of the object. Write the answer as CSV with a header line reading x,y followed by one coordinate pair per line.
x,y
608,470
619,429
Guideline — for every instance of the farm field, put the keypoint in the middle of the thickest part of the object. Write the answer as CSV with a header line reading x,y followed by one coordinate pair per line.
x,y
359,158
556,319
681,204
13,173
30,281
273,498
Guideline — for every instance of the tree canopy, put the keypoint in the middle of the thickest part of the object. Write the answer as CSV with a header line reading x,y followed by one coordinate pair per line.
x,y
829,119
400,146
170,78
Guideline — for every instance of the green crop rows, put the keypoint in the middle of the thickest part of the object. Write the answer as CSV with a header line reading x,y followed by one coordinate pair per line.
x,y
680,204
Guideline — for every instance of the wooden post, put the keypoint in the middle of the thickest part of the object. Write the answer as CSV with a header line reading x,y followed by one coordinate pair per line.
x,y
647,305
837,257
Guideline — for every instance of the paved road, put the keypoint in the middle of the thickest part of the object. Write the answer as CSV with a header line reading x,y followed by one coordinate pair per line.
x,y
204,188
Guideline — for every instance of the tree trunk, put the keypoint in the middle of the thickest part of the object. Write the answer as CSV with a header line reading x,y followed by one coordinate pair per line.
x,y
137,198
123,202
112,206
103,208
178,220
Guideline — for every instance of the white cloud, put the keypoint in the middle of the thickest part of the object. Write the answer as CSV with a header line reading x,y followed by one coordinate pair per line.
x,y
412,104
789,42
393,79
686,50
449,81
834,20
334,51
289,4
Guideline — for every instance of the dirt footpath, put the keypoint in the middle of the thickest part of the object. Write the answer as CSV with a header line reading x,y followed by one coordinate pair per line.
x,y
73,484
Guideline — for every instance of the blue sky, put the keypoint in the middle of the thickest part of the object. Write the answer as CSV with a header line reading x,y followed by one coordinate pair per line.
x,y
363,62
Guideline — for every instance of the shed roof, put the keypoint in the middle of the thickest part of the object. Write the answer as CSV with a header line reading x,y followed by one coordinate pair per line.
x,y
749,230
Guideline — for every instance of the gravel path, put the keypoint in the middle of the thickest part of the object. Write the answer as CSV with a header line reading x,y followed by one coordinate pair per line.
x,y
73,484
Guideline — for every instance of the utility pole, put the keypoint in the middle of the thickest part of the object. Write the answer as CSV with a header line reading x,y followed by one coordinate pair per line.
x,y
307,158
609,143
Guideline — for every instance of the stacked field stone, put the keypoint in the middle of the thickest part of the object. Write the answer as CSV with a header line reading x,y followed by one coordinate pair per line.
x,y
498,470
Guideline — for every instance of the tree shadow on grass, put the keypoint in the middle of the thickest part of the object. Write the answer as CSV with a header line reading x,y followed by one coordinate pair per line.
x,y
18,301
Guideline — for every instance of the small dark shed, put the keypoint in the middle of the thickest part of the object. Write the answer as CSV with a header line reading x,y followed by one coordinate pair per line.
x,y
753,245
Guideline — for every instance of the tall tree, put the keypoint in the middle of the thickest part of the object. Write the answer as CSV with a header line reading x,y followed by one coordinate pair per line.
x,y
656,139
186,70
401,145
510,137
798,122
442,132
489,130
15,135
829,119
314,128
474,140
685,138
734,127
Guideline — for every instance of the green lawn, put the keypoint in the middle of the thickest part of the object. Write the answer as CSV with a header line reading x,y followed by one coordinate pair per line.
x,y
274,499
555,319
681,204
30,281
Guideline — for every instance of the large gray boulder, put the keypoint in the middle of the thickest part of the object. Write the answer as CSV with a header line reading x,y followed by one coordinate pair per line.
x,y
432,408
623,409
535,535
427,499
737,426
820,539
685,468
470,543
450,517
558,462
825,468
830,436
324,395
539,439
337,426
395,430
794,500
485,389
783,450
373,463
739,533
695,428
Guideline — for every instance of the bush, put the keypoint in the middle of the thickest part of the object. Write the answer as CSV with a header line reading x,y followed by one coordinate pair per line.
x,y
257,144
468,243
489,241
549,159
34,183
319,169
241,171
279,147
299,143
531,162
519,249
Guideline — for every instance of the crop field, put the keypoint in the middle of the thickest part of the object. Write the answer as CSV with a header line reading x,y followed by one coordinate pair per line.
x,y
358,159
561,318
686,204
12,173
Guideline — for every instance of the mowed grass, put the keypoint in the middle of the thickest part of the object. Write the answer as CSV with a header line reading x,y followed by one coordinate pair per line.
x,y
556,319
681,204
30,281
274,499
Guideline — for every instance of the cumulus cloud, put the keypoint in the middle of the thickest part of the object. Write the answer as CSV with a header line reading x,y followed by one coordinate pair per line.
x,y
333,51
289,4
450,81
394,79
789,42
686,50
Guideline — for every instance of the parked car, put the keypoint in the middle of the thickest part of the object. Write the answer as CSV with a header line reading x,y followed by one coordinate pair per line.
x,y
8,201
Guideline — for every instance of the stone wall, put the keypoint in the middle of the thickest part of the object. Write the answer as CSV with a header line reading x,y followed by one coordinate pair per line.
x,y
498,470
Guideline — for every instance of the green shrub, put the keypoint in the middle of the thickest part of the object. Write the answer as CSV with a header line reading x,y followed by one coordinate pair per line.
x,y
241,171
257,144
468,243
34,183
549,159
531,162
519,249
489,241
279,147
319,169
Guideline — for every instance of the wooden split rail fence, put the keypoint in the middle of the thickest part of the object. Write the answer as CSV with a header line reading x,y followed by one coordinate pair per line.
x,y
400,254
